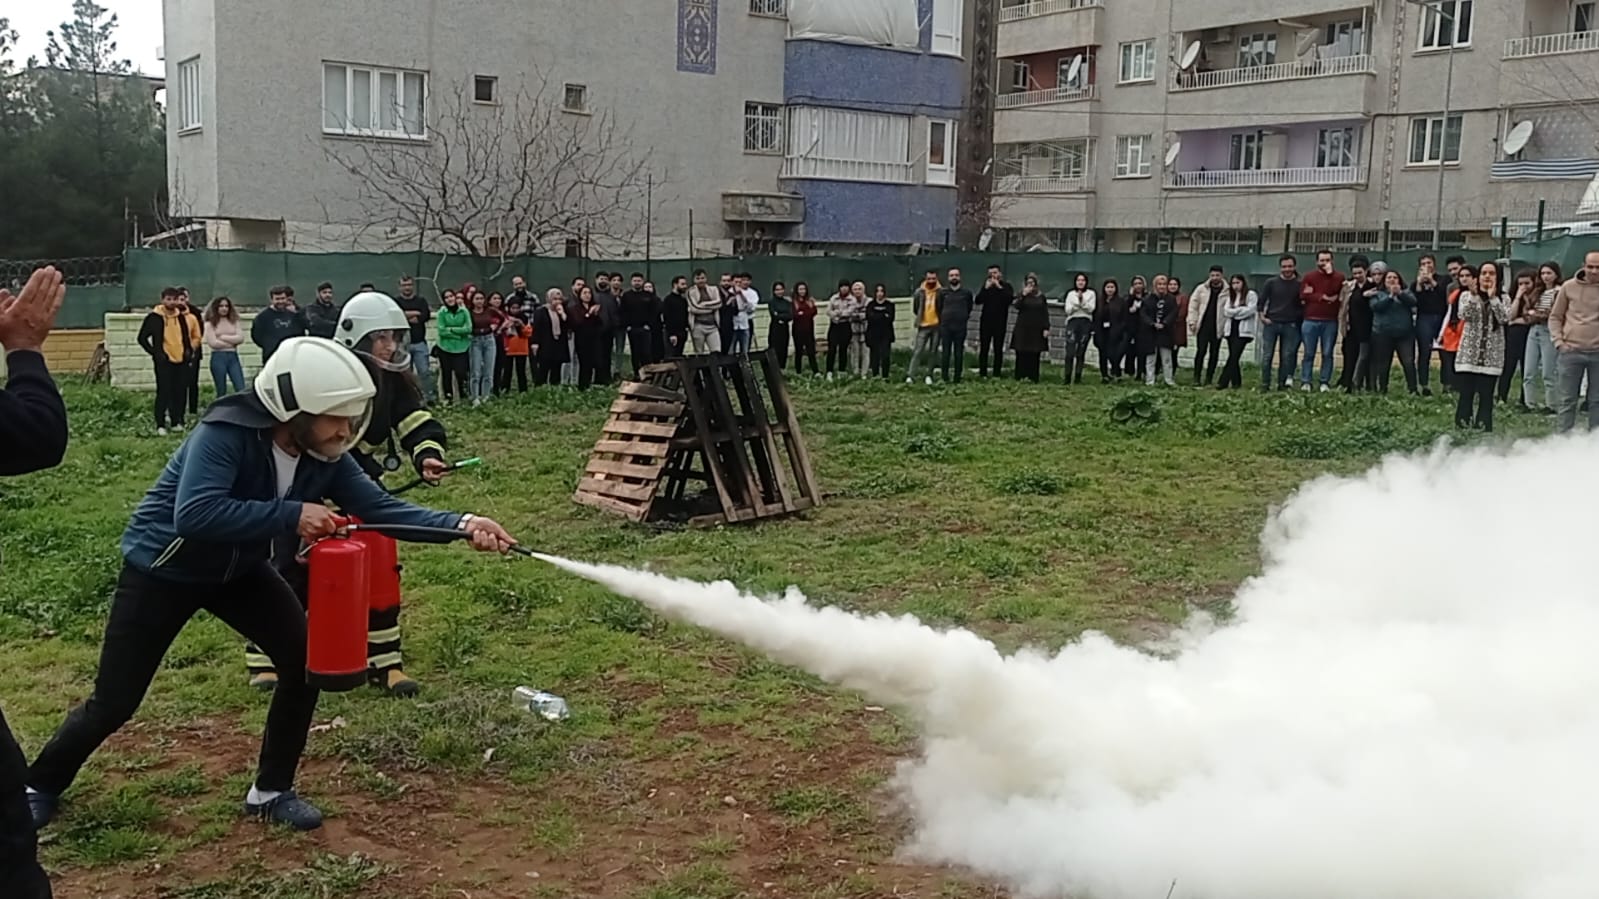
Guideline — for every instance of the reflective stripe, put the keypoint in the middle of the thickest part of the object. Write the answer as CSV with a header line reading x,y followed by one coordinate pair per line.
x,y
411,422
387,635
384,660
257,660
426,445
168,553
367,449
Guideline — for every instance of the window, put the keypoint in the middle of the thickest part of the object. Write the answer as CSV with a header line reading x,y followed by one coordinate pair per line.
x,y
1021,75
1132,155
947,26
1584,17
1138,61
1431,141
1063,69
485,88
1256,50
1336,148
1344,39
1244,154
1227,242
575,98
940,152
848,145
373,102
763,128
1148,241
775,8
189,94
1448,23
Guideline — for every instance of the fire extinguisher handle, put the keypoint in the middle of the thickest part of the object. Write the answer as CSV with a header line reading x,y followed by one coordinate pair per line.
x,y
415,532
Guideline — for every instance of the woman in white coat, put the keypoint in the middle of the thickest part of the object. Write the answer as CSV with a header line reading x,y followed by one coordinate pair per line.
x,y
1238,306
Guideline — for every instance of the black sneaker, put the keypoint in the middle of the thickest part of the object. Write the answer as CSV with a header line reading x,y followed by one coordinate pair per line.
x,y
287,809
42,807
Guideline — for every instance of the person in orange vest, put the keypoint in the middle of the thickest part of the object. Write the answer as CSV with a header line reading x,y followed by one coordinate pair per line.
x,y
516,337
1448,342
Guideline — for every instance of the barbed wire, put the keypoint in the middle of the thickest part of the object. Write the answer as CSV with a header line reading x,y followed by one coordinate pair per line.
x,y
82,271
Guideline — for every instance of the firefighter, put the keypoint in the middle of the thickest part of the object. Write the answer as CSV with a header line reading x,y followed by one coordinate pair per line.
x,y
374,326
242,490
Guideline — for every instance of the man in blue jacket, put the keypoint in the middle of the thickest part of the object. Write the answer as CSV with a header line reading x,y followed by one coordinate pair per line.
x,y
239,494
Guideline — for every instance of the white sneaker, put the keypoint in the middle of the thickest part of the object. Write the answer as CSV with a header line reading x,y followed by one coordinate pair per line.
x,y
829,376
1326,389
928,380
1304,388
909,380
161,432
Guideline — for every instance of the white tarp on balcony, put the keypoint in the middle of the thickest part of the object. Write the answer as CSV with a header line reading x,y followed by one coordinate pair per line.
x,y
883,23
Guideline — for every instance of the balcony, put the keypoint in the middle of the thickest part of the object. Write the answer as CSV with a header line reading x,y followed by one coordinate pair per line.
x,y
1299,70
1041,184
1044,97
1551,44
1044,25
848,170
1348,176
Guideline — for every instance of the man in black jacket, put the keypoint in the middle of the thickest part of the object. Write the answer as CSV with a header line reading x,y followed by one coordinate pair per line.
x,y
674,318
170,336
278,322
322,316
996,298
954,305
638,310
33,429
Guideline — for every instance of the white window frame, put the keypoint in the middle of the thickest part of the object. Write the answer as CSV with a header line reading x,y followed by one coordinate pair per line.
x,y
189,96
1352,30
1152,240
1133,155
1434,140
375,77
1337,148
771,9
583,96
1136,62
1257,50
1062,82
1245,151
1021,75
941,173
834,144
1439,31
947,26
763,128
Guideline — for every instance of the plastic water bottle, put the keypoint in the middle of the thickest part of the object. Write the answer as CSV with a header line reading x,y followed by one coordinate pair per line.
x,y
547,705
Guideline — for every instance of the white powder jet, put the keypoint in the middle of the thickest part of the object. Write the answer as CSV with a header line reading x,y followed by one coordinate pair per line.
x,y
1406,704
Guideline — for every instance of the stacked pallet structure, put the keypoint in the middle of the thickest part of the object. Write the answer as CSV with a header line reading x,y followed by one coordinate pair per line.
x,y
701,440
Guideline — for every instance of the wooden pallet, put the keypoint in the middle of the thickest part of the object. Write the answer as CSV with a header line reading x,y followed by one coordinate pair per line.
x,y
736,453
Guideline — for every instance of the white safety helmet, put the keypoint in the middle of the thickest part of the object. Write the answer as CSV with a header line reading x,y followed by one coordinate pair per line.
x,y
368,315
315,376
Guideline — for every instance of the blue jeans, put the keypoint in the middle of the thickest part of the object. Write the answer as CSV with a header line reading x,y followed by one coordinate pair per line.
x,y
421,364
225,368
1427,328
741,342
1324,335
1272,336
481,360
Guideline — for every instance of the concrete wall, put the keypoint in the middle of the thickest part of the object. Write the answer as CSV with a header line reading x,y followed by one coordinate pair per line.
x,y
67,352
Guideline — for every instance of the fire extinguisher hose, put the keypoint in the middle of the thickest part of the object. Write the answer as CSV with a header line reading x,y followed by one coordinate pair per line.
x,y
457,466
422,533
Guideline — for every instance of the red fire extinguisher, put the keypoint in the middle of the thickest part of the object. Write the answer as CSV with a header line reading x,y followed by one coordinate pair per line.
x,y
383,569
340,577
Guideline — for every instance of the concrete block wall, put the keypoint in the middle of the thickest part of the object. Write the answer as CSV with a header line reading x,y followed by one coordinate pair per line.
x,y
67,352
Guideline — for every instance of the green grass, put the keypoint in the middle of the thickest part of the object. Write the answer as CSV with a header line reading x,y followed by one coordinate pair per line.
x,y
1027,513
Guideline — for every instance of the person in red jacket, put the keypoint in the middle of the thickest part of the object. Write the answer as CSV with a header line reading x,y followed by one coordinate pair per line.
x,y
33,429
804,329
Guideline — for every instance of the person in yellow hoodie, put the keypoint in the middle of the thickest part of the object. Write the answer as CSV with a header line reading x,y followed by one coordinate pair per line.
x,y
924,306
171,335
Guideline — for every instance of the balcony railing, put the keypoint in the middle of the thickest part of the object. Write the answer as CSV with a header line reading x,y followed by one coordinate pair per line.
x,y
848,170
1040,184
1044,8
1551,44
1359,64
1303,177
1044,97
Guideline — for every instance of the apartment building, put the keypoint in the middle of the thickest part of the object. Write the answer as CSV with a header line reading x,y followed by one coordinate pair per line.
x,y
1230,124
763,125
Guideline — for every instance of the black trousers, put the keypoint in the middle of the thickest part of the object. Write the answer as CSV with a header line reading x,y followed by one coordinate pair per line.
x,y
991,333
805,348
1079,333
881,351
516,365
777,341
1357,372
1111,351
1446,370
839,334
641,347
1231,376
1475,389
1381,362
674,344
547,370
593,351
146,615
953,357
1207,355
1027,366
454,369
1515,354
19,846
171,392
192,388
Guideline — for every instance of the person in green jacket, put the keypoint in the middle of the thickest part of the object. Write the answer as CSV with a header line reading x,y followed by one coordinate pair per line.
x,y
1393,328
454,344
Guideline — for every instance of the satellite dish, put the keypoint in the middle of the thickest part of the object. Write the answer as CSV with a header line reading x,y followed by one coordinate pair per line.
x,y
985,239
1590,198
1517,139
1074,68
1190,56
1172,151
1307,42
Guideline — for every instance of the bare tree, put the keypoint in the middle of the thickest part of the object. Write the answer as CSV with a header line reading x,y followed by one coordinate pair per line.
x,y
501,181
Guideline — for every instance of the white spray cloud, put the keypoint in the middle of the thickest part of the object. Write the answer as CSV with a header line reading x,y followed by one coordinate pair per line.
x,y
1406,704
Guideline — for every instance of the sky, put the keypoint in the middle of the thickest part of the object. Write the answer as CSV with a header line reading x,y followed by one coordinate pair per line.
x,y
138,28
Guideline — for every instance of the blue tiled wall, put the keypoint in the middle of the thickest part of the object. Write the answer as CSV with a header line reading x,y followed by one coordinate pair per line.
x,y
860,212
827,73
